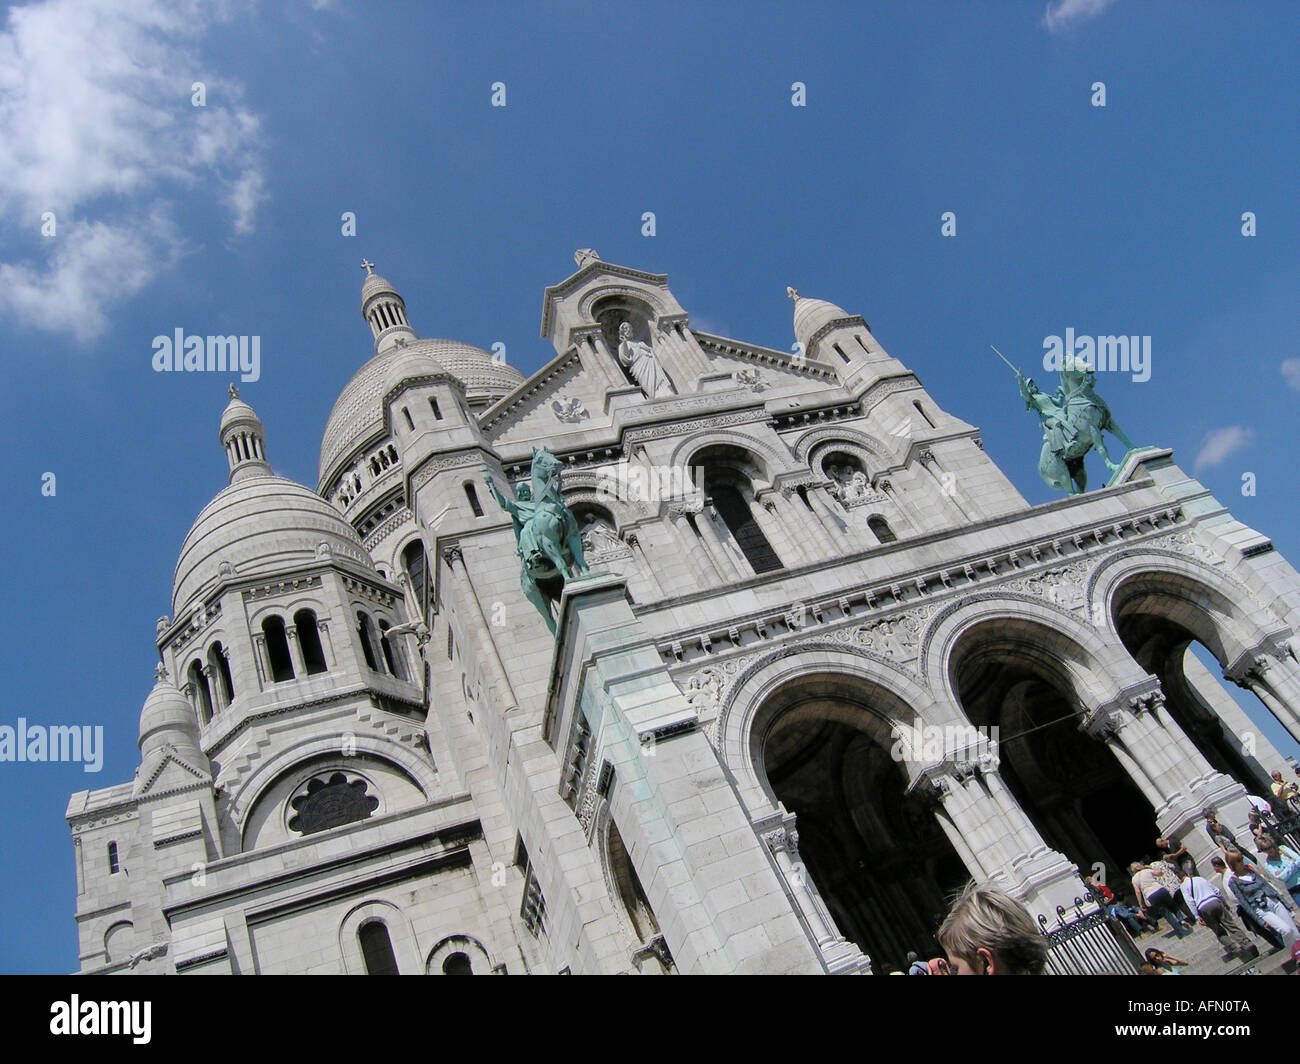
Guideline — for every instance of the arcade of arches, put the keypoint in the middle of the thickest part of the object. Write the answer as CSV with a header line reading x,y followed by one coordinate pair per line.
x,y
877,850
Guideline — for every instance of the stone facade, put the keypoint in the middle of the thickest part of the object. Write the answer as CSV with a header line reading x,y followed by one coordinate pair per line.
x,y
828,664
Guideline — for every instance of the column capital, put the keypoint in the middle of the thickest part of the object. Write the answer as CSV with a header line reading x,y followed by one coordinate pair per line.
x,y
452,554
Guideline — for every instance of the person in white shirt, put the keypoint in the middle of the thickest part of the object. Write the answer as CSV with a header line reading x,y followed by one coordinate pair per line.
x,y
1207,905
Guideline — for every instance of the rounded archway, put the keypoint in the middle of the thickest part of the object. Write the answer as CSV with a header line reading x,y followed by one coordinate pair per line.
x,y
1163,619
1023,681
873,846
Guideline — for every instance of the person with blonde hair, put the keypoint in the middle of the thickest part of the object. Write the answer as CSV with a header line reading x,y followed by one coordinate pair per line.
x,y
988,932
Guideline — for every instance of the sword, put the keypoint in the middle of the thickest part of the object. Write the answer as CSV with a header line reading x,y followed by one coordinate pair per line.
x,y
1007,361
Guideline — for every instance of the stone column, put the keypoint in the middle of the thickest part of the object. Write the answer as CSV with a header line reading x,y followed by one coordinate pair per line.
x,y
999,842
647,570
694,550
259,657
295,652
1274,678
778,535
327,644
727,566
828,522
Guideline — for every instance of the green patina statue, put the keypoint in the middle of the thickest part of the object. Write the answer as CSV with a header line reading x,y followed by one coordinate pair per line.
x,y
1073,418
546,533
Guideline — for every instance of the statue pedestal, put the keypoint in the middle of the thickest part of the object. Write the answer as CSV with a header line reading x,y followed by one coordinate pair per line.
x,y
1137,457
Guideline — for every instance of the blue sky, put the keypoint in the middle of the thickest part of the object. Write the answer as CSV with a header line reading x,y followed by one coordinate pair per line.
x,y
226,219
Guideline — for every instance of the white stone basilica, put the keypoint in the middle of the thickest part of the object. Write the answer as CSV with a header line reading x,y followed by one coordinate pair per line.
x,y
366,751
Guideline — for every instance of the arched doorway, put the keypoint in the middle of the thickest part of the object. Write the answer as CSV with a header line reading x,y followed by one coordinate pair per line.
x,y
1160,619
875,850
1018,676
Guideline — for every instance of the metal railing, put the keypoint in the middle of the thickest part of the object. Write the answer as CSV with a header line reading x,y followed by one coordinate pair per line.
x,y
1087,940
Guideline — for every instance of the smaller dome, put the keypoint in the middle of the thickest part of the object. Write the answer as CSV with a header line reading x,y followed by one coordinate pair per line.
x,y
238,412
811,315
167,717
373,285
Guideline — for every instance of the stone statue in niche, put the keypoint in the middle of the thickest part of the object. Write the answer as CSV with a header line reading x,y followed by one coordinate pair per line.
x,y
598,537
643,363
849,485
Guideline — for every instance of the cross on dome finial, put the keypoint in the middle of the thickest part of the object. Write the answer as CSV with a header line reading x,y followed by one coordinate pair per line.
x,y
368,266
792,293
234,392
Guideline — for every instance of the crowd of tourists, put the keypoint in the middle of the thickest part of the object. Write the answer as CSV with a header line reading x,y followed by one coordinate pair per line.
x,y
1248,888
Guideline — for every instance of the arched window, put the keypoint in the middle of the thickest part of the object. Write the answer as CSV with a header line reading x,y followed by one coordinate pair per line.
x,y
392,451
418,573
880,527
393,656
374,467
734,511
474,504
277,649
437,414
202,696
112,858
457,964
369,646
862,345
840,351
921,410
222,685
407,414
377,948
313,654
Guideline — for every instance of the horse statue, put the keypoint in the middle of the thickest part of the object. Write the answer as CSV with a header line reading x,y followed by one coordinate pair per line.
x,y
547,538
1073,419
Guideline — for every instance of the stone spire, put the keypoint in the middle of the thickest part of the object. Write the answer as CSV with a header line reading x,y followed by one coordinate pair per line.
x,y
384,311
244,440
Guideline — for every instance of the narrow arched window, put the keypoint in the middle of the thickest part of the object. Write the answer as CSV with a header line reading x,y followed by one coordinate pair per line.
x,y
366,632
393,656
377,949
862,345
223,687
112,858
407,414
313,654
392,451
437,414
417,572
840,351
921,410
374,466
880,527
277,649
202,695
457,964
734,511
474,504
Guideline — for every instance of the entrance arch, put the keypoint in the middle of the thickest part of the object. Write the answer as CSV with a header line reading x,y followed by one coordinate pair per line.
x,y
1032,682
1161,617
875,850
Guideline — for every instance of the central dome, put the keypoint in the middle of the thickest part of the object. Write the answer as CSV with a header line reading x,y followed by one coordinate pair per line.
x,y
359,412
260,524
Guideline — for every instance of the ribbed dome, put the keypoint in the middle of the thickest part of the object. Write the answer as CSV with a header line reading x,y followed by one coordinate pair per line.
x,y
359,412
238,412
167,717
263,524
810,315
373,285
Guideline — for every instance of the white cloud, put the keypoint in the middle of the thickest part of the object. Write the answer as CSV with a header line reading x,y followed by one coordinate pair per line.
x,y
1291,371
1220,444
1066,14
97,126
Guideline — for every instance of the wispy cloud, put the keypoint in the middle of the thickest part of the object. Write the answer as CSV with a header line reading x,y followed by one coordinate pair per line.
x,y
1064,15
1220,444
1291,372
98,127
